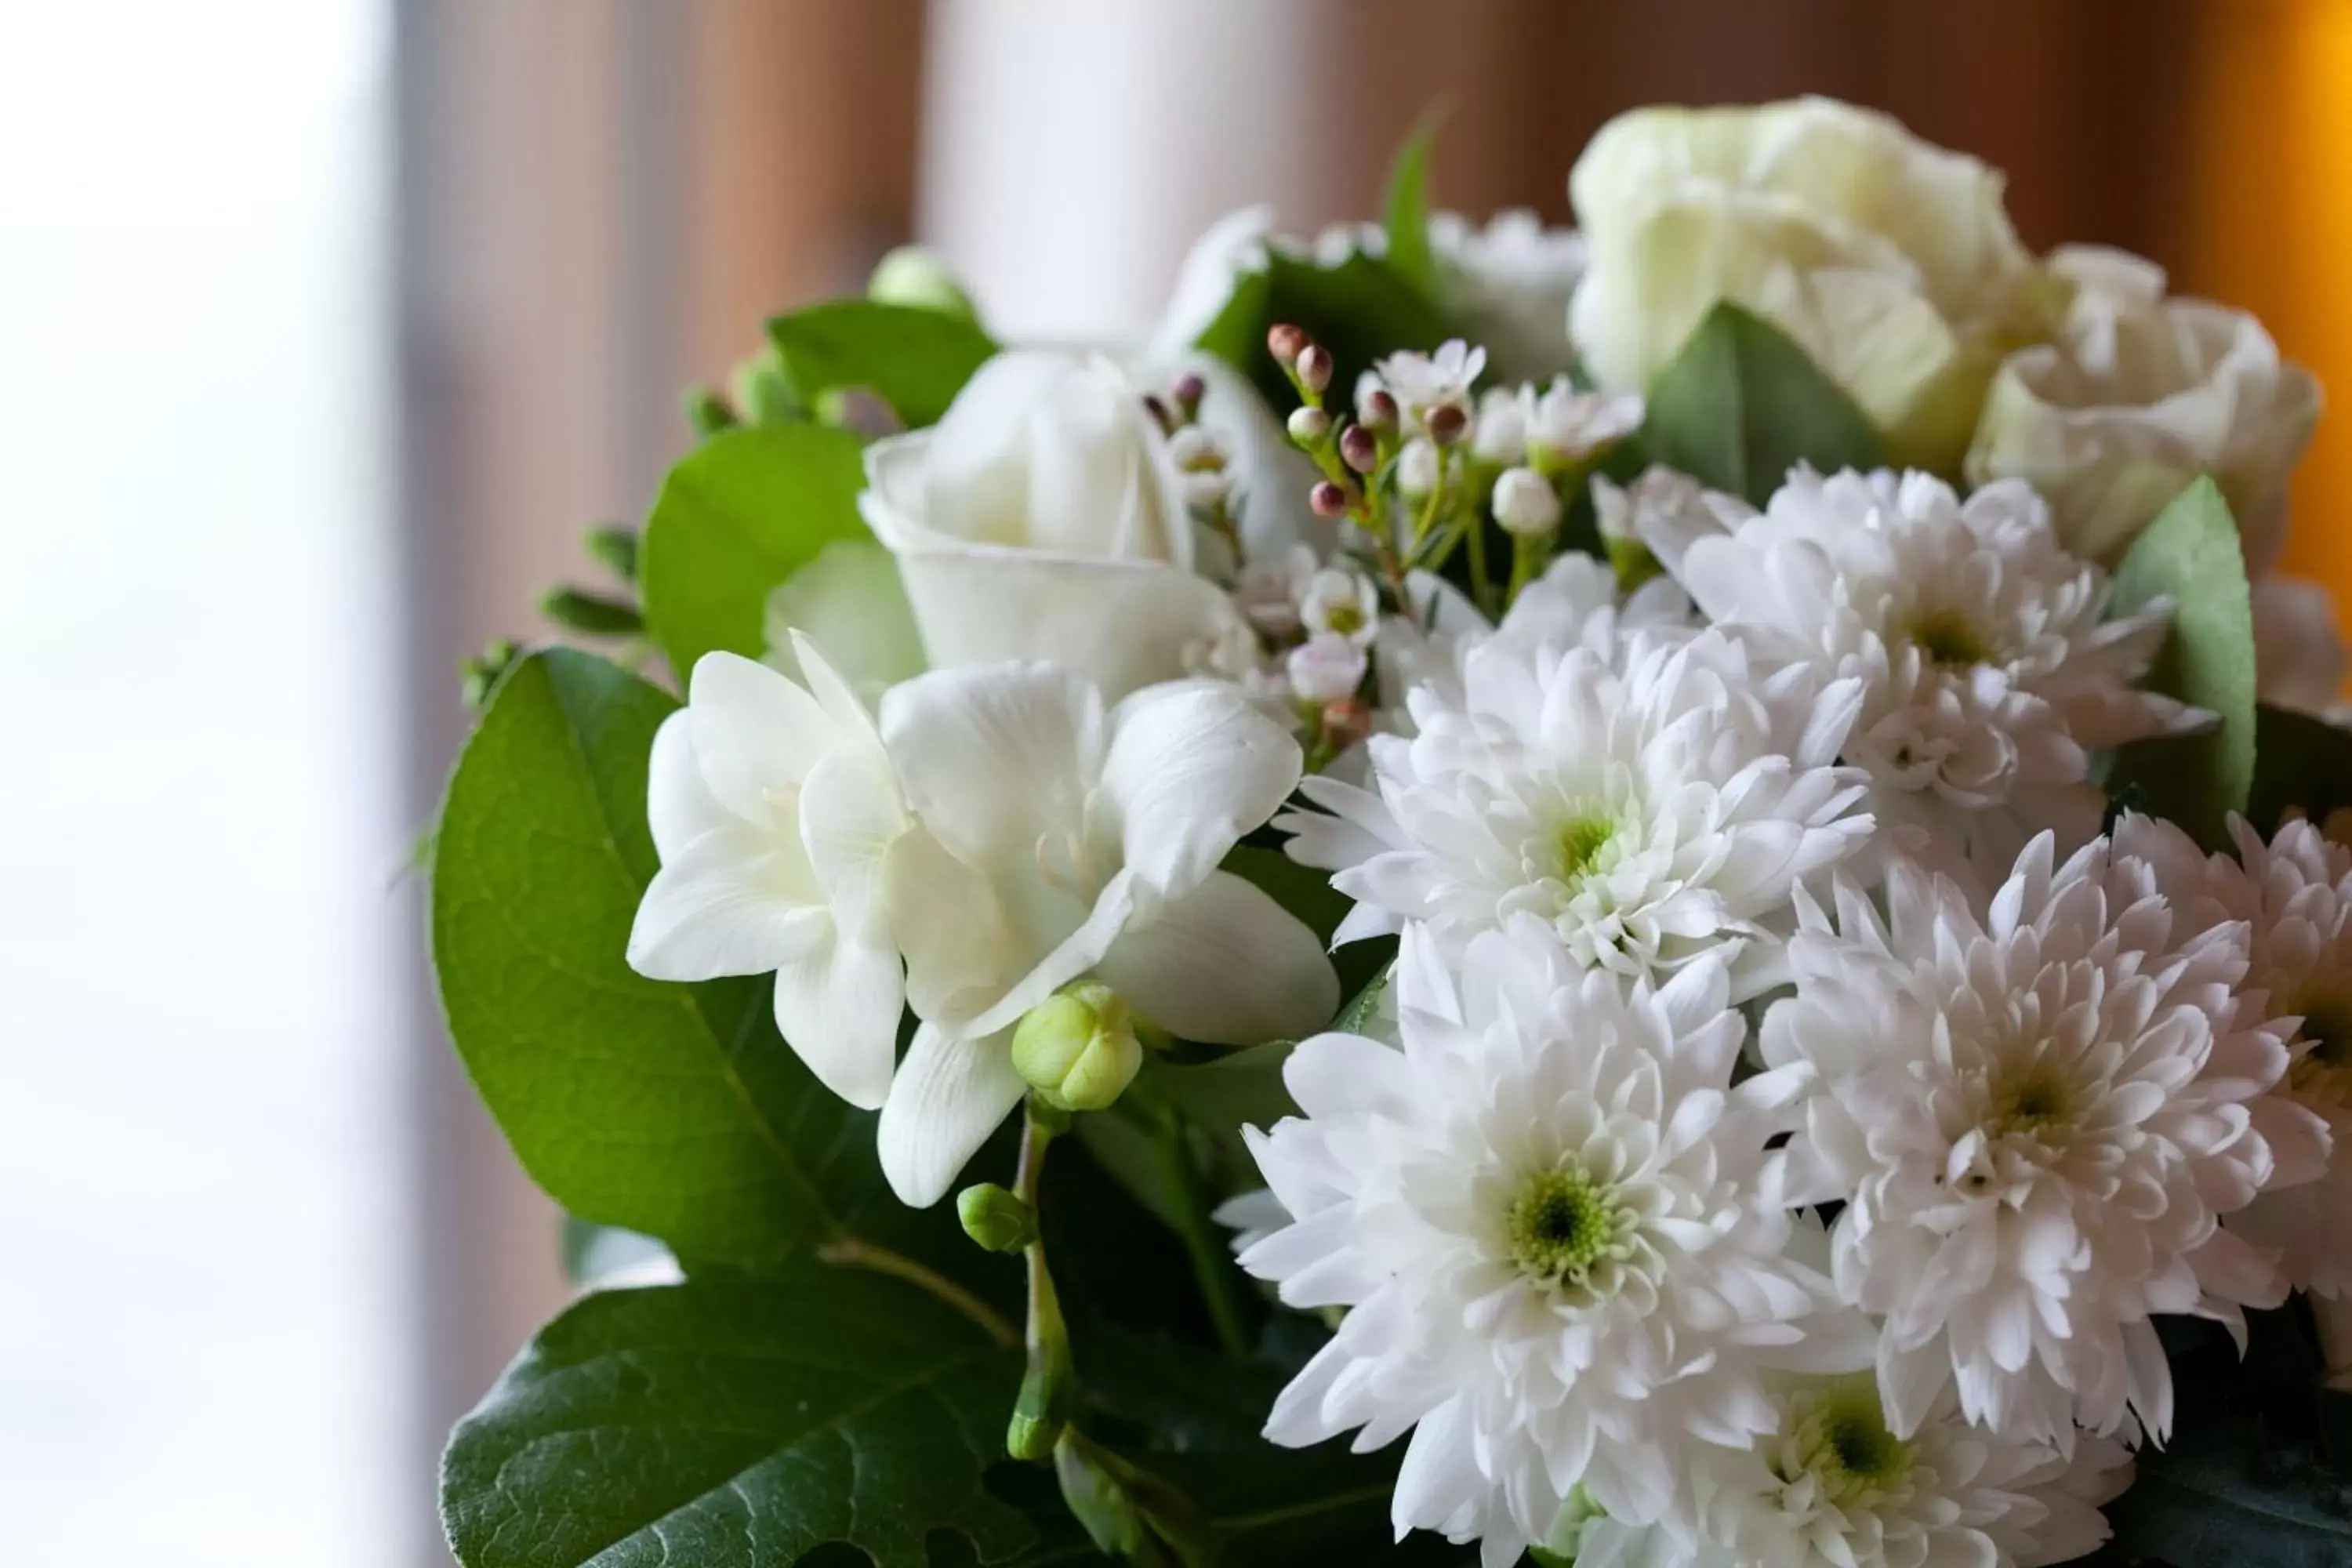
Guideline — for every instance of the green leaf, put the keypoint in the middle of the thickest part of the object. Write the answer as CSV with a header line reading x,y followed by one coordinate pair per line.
x,y
1356,1014
2190,554
735,518
1359,308
738,1424
1408,206
675,1110
914,359
1741,405
2302,763
2226,1494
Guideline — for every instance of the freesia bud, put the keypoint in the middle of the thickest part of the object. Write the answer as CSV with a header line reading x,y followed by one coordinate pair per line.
x,y
1308,427
1283,341
914,275
1525,502
996,1218
1077,1048
1359,450
1327,499
1417,469
1315,367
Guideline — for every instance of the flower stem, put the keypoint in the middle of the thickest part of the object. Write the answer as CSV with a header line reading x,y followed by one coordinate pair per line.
x,y
1049,1386
856,1252
1213,1268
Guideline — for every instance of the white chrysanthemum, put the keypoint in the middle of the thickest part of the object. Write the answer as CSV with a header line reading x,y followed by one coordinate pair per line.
x,y
2295,895
1575,604
2036,1115
1833,1485
1546,1217
1986,670
1648,806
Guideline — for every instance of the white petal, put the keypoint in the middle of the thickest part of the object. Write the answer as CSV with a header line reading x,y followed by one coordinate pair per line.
x,y
961,950
993,759
1075,954
948,1097
1226,965
679,807
754,731
837,1005
735,901
1192,767
850,815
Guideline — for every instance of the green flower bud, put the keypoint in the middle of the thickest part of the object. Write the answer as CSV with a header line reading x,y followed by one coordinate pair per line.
x,y
593,613
480,675
708,413
1098,1498
763,392
996,1218
613,546
1077,1048
914,275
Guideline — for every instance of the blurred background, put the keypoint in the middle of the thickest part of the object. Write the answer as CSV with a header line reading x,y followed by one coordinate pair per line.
x,y
325,325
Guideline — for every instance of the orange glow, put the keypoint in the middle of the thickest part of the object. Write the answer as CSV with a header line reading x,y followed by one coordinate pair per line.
x,y
2267,225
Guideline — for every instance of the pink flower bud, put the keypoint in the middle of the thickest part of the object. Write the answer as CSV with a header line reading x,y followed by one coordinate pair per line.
x,y
1315,367
1327,499
1285,342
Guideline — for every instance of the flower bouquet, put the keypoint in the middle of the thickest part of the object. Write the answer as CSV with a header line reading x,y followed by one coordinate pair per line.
x,y
1662,895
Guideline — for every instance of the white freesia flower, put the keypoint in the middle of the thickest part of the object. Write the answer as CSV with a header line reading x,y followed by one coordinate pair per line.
x,y
772,807
1543,1214
1890,261
2294,897
2035,1114
1059,841
1509,284
1044,517
2141,395
1987,674
1831,1484
1649,807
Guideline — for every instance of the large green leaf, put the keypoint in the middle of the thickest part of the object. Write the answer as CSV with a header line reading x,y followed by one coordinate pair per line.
x,y
1741,405
915,359
2227,1494
2302,763
675,1110
738,1424
2191,555
1407,207
1360,308
735,518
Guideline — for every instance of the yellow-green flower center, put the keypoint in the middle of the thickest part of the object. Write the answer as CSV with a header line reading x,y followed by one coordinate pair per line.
x,y
1562,1224
1347,619
2041,1100
1580,843
1948,640
1840,1436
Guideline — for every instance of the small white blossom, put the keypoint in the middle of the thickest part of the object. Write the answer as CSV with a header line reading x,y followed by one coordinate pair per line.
x,y
1566,426
2294,897
1833,1485
1500,435
1202,469
1418,471
1327,667
1649,806
2036,1112
1342,602
1525,502
1425,382
1545,1216
1270,587
1989,675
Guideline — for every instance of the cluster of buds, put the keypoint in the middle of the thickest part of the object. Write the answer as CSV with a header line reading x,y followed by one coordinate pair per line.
x,y
1203,466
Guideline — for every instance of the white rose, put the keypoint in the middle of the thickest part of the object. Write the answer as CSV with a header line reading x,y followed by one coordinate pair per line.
x,y
2141,395
1042,519
1890,261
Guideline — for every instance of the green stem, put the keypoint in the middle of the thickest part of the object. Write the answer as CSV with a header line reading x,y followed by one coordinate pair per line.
x,y
1529,554
1212,1264
854,1252
1481,591
1049,1386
